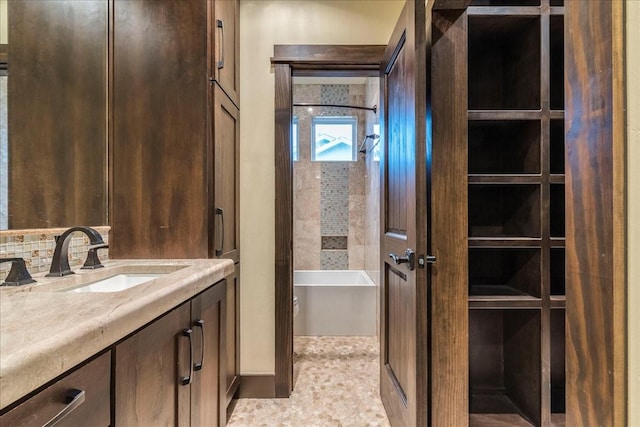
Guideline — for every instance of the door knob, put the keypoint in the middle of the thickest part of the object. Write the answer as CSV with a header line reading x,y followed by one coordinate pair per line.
x,y
408,258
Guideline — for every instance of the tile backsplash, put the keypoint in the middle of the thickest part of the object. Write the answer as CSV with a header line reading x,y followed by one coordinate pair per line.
x,y
36,248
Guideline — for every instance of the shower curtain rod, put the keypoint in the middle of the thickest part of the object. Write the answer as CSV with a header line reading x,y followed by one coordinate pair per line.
x,y
357,107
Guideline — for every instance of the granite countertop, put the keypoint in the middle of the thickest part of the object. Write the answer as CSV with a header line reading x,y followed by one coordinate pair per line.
x,y
45,332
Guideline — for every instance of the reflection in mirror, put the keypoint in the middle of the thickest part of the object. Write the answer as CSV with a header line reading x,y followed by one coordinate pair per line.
x,y
55,134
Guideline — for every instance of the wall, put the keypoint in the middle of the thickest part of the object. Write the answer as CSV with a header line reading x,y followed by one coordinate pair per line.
x,y
263,24
4,25
633,213
328,197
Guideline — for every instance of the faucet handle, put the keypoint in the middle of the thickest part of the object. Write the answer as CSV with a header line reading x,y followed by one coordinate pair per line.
x,y
92,262
18,275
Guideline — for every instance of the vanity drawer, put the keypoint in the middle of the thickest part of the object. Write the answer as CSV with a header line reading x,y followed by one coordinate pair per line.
x,y
90,385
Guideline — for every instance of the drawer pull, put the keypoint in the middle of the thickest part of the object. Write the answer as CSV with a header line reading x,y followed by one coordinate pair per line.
x,y
200,324
187,380
220,212
74,399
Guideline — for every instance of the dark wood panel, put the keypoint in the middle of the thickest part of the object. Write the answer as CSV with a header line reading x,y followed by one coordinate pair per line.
x,y
449,392
159,130
94,378
232,338
226,178
208,389
226,47
283,232
148,368
57,113
328,55
594,108
257,387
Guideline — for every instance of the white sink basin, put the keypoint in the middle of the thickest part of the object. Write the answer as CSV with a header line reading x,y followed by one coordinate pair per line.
x,y
117,283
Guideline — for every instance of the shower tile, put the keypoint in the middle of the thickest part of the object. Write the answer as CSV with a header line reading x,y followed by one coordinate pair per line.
x,y
306,241
334,260
356,257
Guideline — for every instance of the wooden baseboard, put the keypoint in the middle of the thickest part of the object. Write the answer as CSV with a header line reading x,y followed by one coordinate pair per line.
x,y
257,387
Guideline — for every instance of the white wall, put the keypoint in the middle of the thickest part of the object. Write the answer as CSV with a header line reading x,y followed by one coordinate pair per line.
x,y
633,213
263,24
4,25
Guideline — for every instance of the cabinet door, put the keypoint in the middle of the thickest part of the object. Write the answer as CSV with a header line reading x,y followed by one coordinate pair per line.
x,y
208,400
226,142
225,27
89,385
150,367
159,197
232,338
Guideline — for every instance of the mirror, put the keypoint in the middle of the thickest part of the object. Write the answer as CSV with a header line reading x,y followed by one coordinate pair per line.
x,y
53,121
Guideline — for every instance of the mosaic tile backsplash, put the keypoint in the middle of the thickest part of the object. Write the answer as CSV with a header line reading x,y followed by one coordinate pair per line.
x,y
36,248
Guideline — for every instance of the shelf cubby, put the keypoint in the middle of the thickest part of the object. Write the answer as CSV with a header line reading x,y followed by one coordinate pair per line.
x,y
557,271
556,210
507,272
504,147
505,3
557,2
556,59
558,387
505,364
556,151
504,62
504,210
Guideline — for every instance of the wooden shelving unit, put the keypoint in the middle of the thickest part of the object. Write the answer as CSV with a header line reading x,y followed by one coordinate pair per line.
x,y
516,202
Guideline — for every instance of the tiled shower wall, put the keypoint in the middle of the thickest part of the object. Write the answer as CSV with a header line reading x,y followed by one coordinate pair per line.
x,y
372,185
36,248
329,197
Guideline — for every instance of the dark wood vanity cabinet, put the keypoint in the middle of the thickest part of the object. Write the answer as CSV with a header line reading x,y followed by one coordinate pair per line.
x,y
83,395
172,372
175,129
175,136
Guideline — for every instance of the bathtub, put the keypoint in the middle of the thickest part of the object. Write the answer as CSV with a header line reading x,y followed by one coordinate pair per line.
x,y
334,302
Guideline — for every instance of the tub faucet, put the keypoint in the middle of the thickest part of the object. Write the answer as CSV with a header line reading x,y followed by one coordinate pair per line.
x,y
18,275
60,263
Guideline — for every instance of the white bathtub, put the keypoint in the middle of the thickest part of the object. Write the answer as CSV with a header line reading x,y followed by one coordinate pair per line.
x,y
334,302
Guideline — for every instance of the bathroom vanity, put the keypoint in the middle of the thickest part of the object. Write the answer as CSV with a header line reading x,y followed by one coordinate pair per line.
x,y
150,354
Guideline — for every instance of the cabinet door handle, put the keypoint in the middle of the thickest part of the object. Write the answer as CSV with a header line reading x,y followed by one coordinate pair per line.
x,y
200,324
220,212
220,24
74,399
187,380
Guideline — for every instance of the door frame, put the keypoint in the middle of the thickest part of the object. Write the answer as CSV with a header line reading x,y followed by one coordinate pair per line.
x,y
287,61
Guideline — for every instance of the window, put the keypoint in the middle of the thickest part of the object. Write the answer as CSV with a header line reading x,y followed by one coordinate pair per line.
x,y
333,139
294,139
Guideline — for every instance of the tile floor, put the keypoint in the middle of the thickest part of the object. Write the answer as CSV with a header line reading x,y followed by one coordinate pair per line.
x,y
335,385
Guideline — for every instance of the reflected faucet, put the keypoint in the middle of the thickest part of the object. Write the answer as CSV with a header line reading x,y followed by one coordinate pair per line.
x,y
60,263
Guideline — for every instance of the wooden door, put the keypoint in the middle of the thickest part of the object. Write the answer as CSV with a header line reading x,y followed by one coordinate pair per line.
x,y
208,398
403,377
226,143
225,28
150,367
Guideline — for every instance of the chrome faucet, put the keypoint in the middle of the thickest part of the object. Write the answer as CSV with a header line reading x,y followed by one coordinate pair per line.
x,y
60,263
18,275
